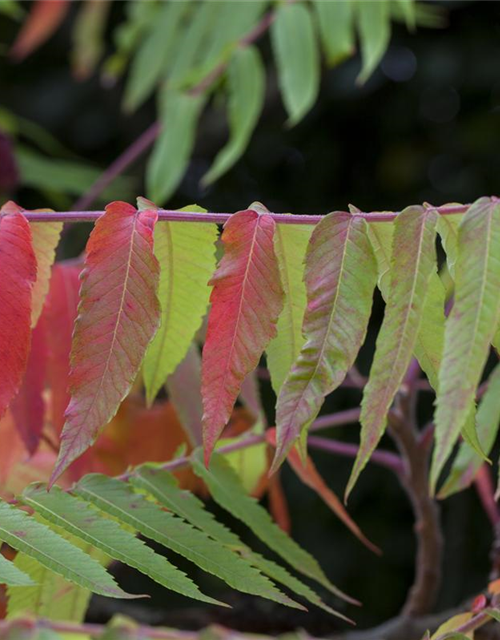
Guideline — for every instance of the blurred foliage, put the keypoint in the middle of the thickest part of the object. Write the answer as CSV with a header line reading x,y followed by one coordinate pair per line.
x,y
424,127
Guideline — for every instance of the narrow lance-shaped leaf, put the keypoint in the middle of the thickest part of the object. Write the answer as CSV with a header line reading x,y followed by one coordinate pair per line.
x,y
340,276
471,324
52,597
18,269
374,27
309,475
163,486
170,157
247,299
296,52
430,338
83,521
119,500
45,238
59,314
13,576
154,53
118,316
468,462
336,25
36,540
186,253
226,489
246,87
28,407
290,242
412,264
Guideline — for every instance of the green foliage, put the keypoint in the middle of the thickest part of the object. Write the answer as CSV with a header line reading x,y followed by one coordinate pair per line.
x,y
186,253
412,264
99,518
472,324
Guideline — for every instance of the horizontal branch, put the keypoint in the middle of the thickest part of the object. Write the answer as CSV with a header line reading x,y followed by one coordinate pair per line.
x,y
333,420
220,218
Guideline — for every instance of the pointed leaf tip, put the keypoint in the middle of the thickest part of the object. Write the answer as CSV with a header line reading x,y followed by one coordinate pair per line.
x,y
122,277
247,299
413,262
340,277
470,327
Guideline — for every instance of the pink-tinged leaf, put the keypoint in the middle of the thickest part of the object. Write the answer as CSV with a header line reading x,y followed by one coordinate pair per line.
x,y
18,276
28,407
184,391
45,238
340,276
309,475
44,18
247,299
60,313
118,315
413,263
470,327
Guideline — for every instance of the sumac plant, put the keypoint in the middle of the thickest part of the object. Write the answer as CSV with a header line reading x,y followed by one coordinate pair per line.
x,y
90,347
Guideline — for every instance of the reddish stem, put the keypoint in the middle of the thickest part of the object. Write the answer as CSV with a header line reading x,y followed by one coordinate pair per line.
x,y
221,218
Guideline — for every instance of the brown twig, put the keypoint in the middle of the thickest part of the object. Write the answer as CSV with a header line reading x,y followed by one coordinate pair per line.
x,y
422,595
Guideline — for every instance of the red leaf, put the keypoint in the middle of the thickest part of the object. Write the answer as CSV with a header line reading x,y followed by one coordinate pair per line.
x,y
43,19
45,238
28,407
18,269
60,314
309,475
246,302
119,314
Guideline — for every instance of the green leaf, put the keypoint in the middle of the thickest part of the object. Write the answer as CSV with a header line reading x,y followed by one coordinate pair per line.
x,y
447,227
52,597
13,576
467,463
290,242
246,88
83,521
340,277
296,52
165,489
374,26
336,26
226,489
66,176
430,338
408,11
191,51
117,499
413,262
172,150
186,253
470,326
155,53
51,550
226,32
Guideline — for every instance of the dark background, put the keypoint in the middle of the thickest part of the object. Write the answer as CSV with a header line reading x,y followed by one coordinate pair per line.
x,y
426,127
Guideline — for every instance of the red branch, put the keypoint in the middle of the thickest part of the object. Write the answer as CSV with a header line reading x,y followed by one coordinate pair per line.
x,y
220,218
